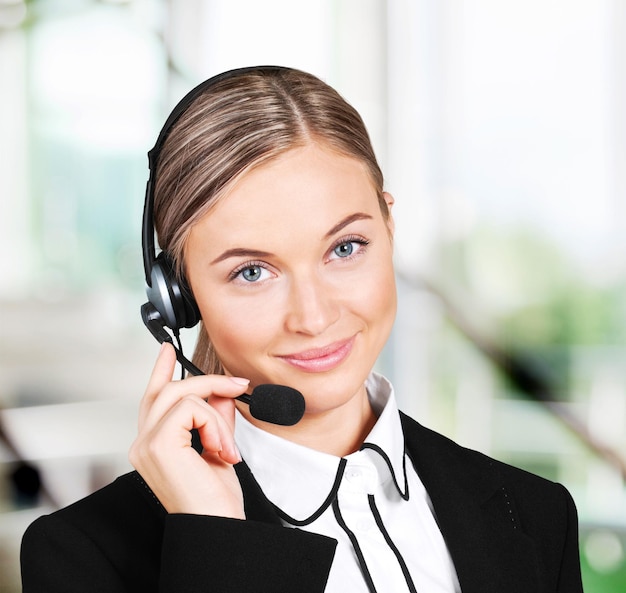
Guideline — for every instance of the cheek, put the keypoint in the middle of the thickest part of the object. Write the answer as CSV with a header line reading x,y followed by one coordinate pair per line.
x,y
383,307
377,291
236,326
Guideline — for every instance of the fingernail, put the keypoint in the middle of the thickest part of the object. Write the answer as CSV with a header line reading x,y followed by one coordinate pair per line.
x,y
240,381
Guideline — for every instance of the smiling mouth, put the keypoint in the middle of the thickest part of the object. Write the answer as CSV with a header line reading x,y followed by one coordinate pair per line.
x,y
319,360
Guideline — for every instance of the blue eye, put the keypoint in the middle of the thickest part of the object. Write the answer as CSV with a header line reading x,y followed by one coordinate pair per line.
x,y
344,249
251,273
349,247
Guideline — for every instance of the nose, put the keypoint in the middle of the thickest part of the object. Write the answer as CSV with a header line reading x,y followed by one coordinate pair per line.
x,y
312,308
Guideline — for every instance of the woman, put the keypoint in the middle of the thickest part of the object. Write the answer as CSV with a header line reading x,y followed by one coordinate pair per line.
x,y
270,210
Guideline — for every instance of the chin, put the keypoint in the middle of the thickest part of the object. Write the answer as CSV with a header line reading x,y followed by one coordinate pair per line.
x,y
326,392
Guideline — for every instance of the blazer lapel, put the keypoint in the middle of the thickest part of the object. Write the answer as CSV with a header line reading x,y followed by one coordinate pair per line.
x,y
256,504
475,512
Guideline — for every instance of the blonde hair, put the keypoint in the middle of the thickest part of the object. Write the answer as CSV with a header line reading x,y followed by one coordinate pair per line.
x,y
234,125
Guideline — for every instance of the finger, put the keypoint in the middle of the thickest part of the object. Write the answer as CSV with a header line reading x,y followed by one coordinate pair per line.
x,y
172,431
217,436
162,374
225,407
216,388
162,371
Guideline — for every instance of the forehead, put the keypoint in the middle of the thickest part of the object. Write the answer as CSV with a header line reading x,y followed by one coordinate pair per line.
x,y
311,184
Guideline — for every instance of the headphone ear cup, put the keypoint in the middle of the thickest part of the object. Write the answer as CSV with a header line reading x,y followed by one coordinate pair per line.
x,y
171,297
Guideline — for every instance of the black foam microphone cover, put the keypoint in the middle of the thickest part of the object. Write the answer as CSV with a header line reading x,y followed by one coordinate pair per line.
x,y
277,404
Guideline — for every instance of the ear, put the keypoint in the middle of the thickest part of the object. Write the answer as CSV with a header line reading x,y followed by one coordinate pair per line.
x,y
390,222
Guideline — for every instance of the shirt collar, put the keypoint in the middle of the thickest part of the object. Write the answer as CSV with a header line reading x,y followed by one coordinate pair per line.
x,y
301,482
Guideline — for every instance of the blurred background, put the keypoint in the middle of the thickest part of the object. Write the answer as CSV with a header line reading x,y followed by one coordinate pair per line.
x,y
501,129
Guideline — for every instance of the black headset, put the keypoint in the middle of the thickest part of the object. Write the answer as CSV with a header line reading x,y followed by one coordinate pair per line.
x,y
170,301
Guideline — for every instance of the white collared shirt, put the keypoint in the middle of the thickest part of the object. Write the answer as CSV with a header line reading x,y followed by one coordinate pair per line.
x,y
371,501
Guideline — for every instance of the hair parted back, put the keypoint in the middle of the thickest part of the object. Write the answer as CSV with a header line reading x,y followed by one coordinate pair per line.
x,y
237,124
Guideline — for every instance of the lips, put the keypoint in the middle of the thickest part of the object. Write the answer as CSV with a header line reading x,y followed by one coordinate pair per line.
x,y
319,360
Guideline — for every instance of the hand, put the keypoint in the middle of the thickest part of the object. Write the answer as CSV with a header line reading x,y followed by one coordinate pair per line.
x,y
182,480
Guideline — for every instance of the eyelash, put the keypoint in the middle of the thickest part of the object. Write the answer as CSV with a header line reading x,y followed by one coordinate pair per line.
x,y
249,264
343,240
362,241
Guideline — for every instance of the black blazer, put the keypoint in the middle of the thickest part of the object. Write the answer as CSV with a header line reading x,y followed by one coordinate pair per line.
x,y
508,531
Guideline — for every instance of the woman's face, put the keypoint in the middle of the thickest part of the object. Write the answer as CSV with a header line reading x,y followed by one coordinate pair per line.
x,y
293,275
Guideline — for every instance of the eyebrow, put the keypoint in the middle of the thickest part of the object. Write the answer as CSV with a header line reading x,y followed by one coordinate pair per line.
x,y
240,252
257,253
346,221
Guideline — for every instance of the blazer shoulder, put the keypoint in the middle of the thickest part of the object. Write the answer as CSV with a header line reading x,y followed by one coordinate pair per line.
x,y
101,531
424,443
128,500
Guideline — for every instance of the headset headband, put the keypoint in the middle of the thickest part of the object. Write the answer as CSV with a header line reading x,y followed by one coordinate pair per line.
x,y
147,230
